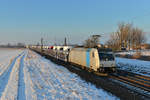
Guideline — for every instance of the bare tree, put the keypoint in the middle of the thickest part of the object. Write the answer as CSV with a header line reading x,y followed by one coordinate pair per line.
x,y
138,37
123,33
114,41
92,41
126,36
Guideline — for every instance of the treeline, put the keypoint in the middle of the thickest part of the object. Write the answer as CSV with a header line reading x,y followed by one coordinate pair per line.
x,y
126,37
9,45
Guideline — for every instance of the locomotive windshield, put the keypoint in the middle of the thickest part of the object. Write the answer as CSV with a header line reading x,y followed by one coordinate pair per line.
x,y
106,57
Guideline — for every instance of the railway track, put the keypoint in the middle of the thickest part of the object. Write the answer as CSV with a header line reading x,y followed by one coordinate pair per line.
x,y
138,81
103,82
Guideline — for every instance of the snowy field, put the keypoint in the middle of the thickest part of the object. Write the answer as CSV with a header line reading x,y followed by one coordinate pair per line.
x,y
25,75
6,57
143,52
134,65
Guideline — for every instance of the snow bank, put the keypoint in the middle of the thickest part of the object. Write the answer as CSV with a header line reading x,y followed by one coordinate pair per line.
x,y
134,65
11,90
49,81
29,86
6,58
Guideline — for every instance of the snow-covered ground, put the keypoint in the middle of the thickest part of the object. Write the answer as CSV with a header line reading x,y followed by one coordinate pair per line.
x,y
6,57
134,65
26,75
132,52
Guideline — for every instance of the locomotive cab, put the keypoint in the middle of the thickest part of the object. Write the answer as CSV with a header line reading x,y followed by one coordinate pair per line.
x,y
107,62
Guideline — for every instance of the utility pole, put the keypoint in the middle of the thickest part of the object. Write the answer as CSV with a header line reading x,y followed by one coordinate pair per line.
x,y
55,42
65,42
41,44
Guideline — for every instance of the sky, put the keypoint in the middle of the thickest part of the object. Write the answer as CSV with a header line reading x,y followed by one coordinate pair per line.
x,y
29,20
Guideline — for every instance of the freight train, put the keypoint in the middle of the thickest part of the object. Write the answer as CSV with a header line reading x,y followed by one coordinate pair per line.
x,y
92,59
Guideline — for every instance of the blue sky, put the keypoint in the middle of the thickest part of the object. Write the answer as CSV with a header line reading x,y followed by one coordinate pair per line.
x,y
29,20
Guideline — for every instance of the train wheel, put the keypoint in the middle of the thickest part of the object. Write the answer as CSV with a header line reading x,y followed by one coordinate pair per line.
x,y
102,70
90,70
82,67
